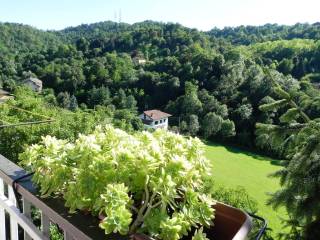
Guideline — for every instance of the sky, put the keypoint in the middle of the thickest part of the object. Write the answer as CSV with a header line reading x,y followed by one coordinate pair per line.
x,y
200,14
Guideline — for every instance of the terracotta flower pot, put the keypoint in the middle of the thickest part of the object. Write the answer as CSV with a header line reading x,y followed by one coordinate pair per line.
x,y
229,224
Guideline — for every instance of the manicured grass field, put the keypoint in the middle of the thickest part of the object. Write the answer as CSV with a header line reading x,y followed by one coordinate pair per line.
x,y
233,167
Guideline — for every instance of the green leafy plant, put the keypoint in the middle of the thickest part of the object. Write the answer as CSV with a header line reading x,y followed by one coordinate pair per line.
x,y
144,182
55,233
297,136
199,235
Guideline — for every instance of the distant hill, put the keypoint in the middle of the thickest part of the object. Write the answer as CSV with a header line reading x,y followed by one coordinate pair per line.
x,y
15,38
19,37
245,35
211,82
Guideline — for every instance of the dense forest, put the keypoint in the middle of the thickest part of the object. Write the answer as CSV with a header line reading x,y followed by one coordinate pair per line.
x,y
211,82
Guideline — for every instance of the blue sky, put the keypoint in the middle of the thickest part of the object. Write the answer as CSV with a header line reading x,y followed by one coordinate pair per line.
x,y
201,14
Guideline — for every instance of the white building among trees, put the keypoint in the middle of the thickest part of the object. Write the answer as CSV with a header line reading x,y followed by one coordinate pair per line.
x,y
34,83
155,119
4,96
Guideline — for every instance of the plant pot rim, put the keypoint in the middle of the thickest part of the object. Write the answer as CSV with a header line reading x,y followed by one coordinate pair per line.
x,y
230,223
236,222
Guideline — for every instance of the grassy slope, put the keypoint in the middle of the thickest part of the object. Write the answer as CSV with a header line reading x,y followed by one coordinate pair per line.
x,y
233,167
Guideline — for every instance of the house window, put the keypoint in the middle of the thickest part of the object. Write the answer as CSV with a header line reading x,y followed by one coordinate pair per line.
x,y
156,123
164,120
161,121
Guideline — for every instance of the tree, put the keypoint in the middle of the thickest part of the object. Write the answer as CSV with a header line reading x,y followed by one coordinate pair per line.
x,y
73,103
120,100
99,96
131,103
82,44
211,124
298,138
211,104
244,111
227,129
183,126
286,66
66,124
191,103
63,99
193,125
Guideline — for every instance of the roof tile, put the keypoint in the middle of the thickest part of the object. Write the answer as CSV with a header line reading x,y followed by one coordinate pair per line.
x,y
156,114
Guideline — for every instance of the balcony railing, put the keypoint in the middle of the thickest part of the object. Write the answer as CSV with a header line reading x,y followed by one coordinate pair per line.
x,y
19,197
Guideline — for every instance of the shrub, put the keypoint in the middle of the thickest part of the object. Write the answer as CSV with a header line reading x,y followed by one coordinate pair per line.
x,y
147,182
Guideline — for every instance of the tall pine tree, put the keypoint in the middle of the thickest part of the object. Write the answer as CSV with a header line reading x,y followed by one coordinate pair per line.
x,y
297,136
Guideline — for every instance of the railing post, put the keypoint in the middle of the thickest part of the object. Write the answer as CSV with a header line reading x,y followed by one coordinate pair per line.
x,y
56,213
67,235
27,213
45,225
14,233
2,214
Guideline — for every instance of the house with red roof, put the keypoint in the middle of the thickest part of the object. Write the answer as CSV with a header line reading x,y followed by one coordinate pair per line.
x,y
155,119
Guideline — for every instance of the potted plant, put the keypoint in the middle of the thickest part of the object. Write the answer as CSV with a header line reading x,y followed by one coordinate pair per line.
x,y
141,183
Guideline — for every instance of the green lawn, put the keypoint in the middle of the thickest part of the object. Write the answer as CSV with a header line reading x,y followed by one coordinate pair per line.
x,y
233,167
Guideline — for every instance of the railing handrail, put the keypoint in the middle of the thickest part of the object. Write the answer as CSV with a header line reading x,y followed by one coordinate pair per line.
x,y
78,225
